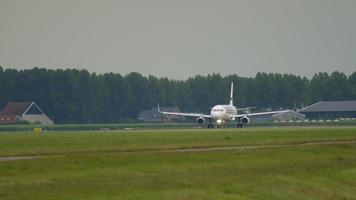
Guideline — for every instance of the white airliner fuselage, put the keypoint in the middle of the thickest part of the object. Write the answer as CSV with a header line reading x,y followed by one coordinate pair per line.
x,y
222,113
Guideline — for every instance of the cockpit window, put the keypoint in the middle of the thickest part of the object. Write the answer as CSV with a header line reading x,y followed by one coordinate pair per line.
x,y
218,110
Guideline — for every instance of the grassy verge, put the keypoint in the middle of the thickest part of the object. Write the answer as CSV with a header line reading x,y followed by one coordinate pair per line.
x,y
158,125
91,127
305,172
28,143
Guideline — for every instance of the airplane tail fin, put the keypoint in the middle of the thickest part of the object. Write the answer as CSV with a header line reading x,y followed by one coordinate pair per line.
x,y
231,94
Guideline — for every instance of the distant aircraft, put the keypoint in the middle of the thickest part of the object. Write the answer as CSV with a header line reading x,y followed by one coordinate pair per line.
x,y
222,113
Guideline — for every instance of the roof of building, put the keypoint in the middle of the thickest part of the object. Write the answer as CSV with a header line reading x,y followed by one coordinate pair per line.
x,y
20,108
15,108
290,113
8,119
149,115
166,109
154,115
331,106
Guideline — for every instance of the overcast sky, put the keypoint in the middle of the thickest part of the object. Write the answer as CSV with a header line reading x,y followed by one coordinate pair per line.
x,y
180,38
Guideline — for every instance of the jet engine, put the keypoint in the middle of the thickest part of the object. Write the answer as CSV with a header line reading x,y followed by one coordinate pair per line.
x,y
200,120
245,120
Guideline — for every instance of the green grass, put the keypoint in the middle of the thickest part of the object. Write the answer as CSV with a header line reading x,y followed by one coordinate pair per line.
x,y
160,125
29,143
91,127
96,165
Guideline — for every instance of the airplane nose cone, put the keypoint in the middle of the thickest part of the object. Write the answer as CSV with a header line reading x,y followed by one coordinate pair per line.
x,y
218,115
217,112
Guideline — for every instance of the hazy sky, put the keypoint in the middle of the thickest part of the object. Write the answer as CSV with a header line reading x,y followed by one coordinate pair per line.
x,y
180,38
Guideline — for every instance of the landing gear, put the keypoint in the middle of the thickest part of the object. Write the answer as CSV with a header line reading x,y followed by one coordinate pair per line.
x,y
239,125
210,125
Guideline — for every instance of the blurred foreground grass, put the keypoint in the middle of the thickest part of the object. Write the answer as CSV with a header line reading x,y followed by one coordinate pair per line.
x,y
90,165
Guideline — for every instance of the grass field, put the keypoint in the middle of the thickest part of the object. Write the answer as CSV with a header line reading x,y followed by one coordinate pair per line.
x,y
160,125
273,163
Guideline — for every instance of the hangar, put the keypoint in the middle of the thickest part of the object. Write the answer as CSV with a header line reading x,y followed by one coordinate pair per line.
x,y
288,116
281,117
30,112
154,116
330,110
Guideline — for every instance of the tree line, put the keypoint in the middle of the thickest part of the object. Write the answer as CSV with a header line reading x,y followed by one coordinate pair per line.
x,y
77,96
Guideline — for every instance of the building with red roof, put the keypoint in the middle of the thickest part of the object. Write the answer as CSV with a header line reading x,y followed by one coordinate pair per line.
x,y
16,112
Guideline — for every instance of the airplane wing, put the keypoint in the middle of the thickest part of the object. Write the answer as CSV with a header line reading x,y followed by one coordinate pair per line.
x,y
183,114
262,113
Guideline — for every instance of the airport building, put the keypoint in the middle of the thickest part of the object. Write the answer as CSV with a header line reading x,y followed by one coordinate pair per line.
x,y
281,117
28,112
330,110
154,116
288,116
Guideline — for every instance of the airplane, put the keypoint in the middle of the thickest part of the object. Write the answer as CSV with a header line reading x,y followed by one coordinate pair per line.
x,y
222,114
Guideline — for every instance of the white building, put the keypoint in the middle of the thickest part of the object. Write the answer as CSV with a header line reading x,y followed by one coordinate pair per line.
x,y
27,112
288,116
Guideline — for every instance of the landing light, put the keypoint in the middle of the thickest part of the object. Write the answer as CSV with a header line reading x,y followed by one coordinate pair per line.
x,y
233,119
219,121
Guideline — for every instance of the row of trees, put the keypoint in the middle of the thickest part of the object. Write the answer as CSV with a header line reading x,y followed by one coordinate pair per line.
x,y
77,96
